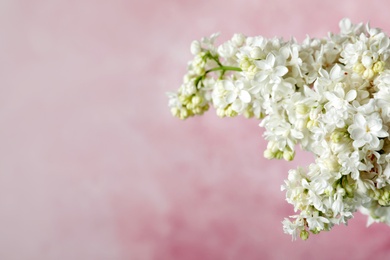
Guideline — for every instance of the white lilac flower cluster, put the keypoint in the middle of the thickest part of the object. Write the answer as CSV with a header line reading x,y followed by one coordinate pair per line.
x,y
331,96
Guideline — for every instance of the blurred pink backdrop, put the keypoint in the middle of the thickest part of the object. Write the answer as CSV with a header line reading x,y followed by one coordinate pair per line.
x,y
92,164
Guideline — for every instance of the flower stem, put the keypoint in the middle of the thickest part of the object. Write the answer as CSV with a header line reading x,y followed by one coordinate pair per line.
x,y
224,68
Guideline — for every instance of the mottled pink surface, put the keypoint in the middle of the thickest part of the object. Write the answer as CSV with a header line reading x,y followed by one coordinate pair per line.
x,y
93,166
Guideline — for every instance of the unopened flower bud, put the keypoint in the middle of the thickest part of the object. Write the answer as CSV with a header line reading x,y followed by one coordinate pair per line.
x,y
196,100
190,106
245,64
359,68
386,195
367,60
288,155
184,113
230,112
196,110
175,111
304,235
349,190
368,74
269,154
184,99
252,70
248,113
199,70
221,112
187,78
238,39
273,146
279,155
257,53
195,47
378,67
315,231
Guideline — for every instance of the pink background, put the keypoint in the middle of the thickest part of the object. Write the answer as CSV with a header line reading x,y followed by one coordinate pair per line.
x,y
92,164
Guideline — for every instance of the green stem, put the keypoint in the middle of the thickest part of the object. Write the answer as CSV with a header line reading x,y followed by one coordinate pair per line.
x,y
224,68
221,67
216,60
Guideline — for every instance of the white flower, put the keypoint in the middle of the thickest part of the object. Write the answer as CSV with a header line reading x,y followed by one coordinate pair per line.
x,y
257,106
234,93
208,42
270,70
238,39
281,132
338,204
351,164
352,53
173,100
227,50
347,28
295,61
315,188
195,47
367,130
382,82
294,189
239,96
293,228
316,222
338,107
328,80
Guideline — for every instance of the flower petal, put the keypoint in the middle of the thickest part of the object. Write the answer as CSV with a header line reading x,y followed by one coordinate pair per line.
x,y
280,71
351,95
228,85
244,96
231,97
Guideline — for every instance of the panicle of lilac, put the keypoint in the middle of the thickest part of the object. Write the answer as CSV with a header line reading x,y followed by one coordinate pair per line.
x,y
330,96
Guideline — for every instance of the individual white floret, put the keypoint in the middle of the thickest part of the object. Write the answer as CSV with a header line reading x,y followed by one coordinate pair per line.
x,y
367,129
315,221
293,228
270,70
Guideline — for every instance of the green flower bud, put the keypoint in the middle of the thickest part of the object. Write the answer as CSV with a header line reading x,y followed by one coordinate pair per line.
x,y
315,231
230,112
175,111
184,113
288,155
279,155
304,235
196,100
248,113
221,112
269,154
